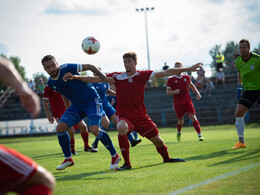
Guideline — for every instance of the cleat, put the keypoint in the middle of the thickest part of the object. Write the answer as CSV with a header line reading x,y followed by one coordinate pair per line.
x,y
135,142
201,138
124,167
239,145
90,149
94,145
66,163
178,137
74,152
173,160
115,162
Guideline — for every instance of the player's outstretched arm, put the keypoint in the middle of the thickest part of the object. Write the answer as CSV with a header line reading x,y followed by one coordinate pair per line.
x,y
175,71
87,79
195,90
29,100
94,69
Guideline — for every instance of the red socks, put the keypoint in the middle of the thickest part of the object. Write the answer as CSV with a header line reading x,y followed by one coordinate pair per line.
x,y
179,127
163,151
72,144
124,147
85,139
196,125
37,189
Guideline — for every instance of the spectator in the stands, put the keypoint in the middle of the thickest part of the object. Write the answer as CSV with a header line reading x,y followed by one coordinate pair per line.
x,y
31,85
209,87
220,77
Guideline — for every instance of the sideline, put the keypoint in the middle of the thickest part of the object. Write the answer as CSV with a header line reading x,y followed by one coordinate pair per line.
x,y
185,189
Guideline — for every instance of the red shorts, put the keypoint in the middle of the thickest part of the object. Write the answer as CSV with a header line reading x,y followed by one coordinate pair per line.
x,y
184,109
142,125
15,169
57,117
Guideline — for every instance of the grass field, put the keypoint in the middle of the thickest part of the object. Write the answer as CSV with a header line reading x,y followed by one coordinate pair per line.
x,y
205,161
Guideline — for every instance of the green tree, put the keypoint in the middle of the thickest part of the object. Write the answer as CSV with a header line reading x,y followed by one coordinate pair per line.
x,y
37,77
16,61
229,53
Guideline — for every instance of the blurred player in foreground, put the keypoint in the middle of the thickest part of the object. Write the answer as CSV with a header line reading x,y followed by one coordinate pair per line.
x,y
18,173
85,101
248,67
178,86
131,111
58,105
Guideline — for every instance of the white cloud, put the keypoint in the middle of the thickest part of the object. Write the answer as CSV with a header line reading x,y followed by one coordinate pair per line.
x,y
178,30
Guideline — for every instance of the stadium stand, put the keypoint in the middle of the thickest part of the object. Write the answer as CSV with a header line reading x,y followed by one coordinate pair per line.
x,y
218,108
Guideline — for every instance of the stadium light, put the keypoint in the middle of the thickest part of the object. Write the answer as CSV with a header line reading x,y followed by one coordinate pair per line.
x,y
145,10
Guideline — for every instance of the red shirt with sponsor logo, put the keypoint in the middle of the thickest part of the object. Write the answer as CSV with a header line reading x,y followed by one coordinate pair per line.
x,y
181,83
130,93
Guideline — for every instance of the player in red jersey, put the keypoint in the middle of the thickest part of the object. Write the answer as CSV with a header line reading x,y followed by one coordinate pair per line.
x,y
19,173
22,175
131,111
177,86
58,105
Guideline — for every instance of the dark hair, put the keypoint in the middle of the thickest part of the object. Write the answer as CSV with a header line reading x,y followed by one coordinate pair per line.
x,y
178,63
130,55
47,58
245,41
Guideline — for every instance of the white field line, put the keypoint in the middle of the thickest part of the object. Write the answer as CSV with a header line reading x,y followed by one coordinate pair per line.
x,y
185,189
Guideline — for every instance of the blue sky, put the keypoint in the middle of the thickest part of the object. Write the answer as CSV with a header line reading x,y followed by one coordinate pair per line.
x,y
178,30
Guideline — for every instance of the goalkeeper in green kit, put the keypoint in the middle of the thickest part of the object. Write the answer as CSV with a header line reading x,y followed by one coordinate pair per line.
x,y
248,67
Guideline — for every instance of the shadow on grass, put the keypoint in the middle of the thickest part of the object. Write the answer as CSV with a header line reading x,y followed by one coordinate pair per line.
x,y
236,155
47,155
61,177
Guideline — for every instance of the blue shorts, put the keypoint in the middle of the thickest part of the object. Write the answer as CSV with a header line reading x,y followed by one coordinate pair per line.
x,y
75,113
109,110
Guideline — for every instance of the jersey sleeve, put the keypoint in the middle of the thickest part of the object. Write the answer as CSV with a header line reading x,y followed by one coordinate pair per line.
x,y
47,92
73,68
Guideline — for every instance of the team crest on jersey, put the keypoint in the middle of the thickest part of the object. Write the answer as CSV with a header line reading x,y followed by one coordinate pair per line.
x,y
176,81
252,67
130,80
185,79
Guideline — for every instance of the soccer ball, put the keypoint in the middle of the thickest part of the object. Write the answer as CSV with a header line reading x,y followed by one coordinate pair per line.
x,y
90,45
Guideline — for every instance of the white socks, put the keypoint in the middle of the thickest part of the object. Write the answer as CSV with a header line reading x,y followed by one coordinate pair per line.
x,y
240,126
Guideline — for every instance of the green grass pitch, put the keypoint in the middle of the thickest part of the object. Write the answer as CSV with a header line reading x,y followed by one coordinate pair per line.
x,y
205,160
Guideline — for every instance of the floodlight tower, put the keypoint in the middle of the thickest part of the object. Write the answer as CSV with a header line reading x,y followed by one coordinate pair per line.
x,y
145,10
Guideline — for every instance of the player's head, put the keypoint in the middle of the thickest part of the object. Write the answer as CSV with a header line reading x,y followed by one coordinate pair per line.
x,y
178,65
50,65
130,61
244,47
